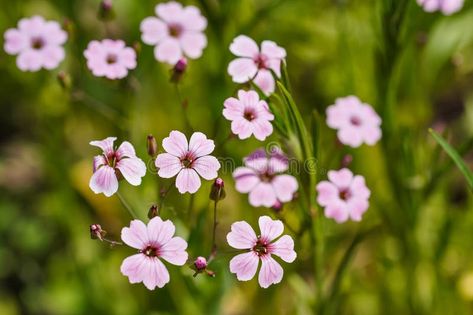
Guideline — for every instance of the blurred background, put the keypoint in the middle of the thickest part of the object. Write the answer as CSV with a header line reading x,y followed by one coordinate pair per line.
x,y
412,253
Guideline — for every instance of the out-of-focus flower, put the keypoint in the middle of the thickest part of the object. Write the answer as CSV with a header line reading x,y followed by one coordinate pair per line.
x,y
344,197
106,11
355,121
113,164
110,58
177,31
38,43
256,64
260,248
261,177
249,115
187,160
154,241
447,7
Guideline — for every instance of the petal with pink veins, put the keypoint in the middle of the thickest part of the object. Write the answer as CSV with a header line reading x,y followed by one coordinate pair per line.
x,y
125,150
271,272
187,181
136,235
233,109
160,232
133,169
168,165
134,267
155,273
262,129
241,236
176,144
284,248
106,145
199,145
272,50
174,251
242,127
104,181
244,265
207,167
270,229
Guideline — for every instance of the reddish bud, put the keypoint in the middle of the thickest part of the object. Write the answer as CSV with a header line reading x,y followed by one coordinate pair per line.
x,y
96,232
153,212
106,11
217,192
152,146
178,70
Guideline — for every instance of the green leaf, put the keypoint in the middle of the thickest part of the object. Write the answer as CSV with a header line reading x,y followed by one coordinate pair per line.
x,y
455,157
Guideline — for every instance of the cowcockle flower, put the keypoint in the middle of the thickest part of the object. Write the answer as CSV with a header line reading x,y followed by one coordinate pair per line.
x,y
113,164
187,160
260,248
447,7
261,177
256,64
355,121
154,242
249,115
110,58
344,196
176,32
38,43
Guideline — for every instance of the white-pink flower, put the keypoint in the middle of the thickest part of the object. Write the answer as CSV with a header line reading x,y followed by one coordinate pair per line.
x,y
153,241
110,58
38,43
177,31
260,248
355,121
447,7
261,177
249,115
344,197
113,164
256,64
187,160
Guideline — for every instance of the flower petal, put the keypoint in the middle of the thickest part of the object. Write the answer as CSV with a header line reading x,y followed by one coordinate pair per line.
x,y
285,186
233,109
244,265
193,44
337,211
245,179
241,236
176,144
174,251
261,129
243,46
207,167
155,273
271,272
15,41
160,232
136,235
242,70
132,169
326,193
125,150
270,229
265,81
242,127
341,178
187,181
168,164
262,195
272,50
153,30
168,51
104,181
106,145
134,267
284,248
199,145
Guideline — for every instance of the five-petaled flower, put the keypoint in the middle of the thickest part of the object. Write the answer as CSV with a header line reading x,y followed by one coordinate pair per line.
x,y
187,160
261,178
249,115
260,248
355,121
110,58
255,64
113,164
344,197
153,241
38,43
176,32
447,7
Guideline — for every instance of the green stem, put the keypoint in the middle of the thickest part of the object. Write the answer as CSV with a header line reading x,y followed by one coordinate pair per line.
x,y
127,206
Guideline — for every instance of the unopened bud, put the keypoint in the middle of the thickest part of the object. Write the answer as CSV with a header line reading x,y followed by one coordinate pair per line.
x,y
153,212
106,11
346,161
96,232
152,146
277,207
64,80
217,192
200,263
178,70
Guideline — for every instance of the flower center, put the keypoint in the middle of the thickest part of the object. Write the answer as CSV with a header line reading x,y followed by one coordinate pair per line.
x,y
345,194
111,59
151,251
249,115
175,30
187,160
261,61
355,121
266,177
37,43
111,159
261,247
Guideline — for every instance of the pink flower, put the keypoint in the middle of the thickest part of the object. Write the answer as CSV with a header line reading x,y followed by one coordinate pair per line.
x,y
154,241
110,58
187,160
344,197
261,178
249,115
113,164
260,248
447,7
38,43
255,64
176,32
356,122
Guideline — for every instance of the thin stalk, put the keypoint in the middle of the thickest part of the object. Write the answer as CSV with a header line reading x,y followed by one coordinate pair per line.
x,y
183,104
126,205
213,250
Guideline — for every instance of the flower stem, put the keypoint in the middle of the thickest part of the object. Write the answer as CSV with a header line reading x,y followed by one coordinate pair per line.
x,y
127,206
163,196
183,103
213,251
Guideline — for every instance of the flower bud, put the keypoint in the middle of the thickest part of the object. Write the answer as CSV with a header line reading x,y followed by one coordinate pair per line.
x,y
178,70
96,232
153,212
200,263
217,192
277,207
106,11
152,146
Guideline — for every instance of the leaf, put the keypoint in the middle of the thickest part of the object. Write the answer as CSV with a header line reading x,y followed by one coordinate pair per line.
x,y
455,157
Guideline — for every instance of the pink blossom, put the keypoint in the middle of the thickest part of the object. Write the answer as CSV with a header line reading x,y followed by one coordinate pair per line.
x,y
177,32
38,43
187,160
113,164
344,197
447,7
355,121
256,64
261,177
153,241
110,58
260,248
249,115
